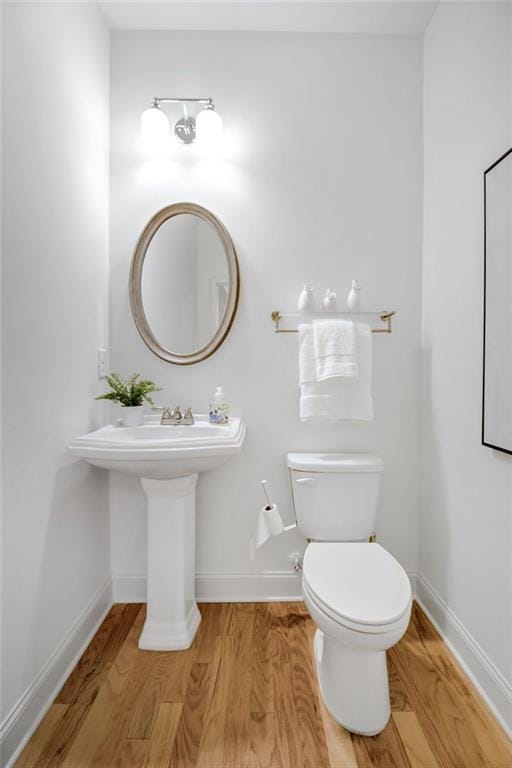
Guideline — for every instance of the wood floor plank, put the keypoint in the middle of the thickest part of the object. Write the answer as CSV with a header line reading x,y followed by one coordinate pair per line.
x,y
227,612
163,736
414,740
236,725
262,739
149,694
92,667
137,708
456,723
287,740
278,633
493,741
286,726
339,744
384,750
120,631
262,688
212,617
133,754
106,703
99,643
62,736
190,728
397,691
36,744
211,747
314,752
245,695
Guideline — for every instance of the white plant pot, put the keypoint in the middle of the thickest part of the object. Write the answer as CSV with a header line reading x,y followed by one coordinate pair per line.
x,y
132,415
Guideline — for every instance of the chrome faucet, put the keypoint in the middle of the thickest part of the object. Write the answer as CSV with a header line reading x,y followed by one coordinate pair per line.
x,y
188,417
176,418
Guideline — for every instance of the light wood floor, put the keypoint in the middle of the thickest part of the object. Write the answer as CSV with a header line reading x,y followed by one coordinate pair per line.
x,y
245,696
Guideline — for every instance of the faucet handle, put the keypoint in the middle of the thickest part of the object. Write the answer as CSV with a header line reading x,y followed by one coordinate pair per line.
x,y
188,416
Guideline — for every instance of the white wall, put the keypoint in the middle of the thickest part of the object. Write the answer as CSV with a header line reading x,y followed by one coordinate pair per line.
x,y
466,519
323,183
54,303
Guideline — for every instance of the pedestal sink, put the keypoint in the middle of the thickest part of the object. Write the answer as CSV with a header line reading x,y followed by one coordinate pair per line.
x,y
167,459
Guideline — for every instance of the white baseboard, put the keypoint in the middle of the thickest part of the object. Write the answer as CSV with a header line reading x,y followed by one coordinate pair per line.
x,y
267,587
483,673
270,586
128,587
23,719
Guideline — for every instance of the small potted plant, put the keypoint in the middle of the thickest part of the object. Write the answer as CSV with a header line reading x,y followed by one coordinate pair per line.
x,y
131,394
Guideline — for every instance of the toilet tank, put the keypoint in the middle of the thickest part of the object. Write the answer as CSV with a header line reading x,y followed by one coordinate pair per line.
x,y
335,495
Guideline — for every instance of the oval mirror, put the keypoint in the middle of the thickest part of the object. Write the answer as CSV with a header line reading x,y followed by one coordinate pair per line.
x,y
184,283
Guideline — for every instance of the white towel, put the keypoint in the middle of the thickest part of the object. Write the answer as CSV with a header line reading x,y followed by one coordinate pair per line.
x,y
342,399
307,361
335,349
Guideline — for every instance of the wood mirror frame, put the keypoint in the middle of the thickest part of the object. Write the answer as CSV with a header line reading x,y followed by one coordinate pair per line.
x,y
135,284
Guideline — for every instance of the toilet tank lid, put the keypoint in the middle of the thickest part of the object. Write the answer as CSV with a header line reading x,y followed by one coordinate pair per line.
x,y
335,462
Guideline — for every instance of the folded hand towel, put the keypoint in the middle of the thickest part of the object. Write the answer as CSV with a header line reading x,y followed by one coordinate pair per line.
x,y
335,349
342,399
307,364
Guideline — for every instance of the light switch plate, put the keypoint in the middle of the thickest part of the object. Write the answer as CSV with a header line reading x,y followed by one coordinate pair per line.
x,y
103,365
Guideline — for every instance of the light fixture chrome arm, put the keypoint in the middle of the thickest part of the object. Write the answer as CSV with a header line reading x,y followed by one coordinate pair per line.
x,y
175,100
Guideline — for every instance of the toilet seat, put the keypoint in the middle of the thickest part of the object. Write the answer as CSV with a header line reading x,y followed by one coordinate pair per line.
x,y
358,585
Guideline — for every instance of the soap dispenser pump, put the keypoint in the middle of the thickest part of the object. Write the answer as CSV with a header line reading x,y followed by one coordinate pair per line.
x,y
219,409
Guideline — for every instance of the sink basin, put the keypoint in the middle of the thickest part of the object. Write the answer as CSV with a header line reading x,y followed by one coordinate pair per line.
x,y
160,452
167,459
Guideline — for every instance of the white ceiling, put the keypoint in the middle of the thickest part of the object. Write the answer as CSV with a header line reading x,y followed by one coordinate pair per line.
x,y
356,17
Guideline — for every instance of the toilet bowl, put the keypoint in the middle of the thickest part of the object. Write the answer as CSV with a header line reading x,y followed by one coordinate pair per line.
x,y
360,598
356,592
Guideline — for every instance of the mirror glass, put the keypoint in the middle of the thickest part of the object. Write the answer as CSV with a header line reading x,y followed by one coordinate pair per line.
x,y
184,283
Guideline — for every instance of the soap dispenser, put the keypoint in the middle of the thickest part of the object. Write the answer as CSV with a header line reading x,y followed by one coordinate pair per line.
x,y
219,409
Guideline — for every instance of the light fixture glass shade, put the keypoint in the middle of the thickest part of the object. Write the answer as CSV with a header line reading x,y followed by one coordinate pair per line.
x,y
209,128
154,130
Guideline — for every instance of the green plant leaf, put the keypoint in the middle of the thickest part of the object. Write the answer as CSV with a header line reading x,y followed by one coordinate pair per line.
x,y
132,391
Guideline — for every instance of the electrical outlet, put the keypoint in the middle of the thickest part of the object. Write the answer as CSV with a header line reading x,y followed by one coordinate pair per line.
x,y
103,363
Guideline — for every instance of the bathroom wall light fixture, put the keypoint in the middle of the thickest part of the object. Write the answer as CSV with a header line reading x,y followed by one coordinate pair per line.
x,y
206,127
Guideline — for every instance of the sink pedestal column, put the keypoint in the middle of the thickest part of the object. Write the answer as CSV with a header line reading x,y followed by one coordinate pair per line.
x,y
172,614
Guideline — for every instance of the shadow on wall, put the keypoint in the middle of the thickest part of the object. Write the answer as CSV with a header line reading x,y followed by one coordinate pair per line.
x,y
78,508
434,489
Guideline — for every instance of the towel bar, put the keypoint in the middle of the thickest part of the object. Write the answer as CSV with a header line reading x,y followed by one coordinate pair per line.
x,y
385,315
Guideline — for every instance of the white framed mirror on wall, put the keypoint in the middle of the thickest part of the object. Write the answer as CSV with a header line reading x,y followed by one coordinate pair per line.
x,y
184,283
497,348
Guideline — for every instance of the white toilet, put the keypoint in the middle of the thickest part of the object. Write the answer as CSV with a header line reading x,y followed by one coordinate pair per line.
x,y
357,593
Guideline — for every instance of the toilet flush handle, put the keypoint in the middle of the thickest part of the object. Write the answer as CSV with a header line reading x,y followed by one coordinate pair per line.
x,y
305,480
